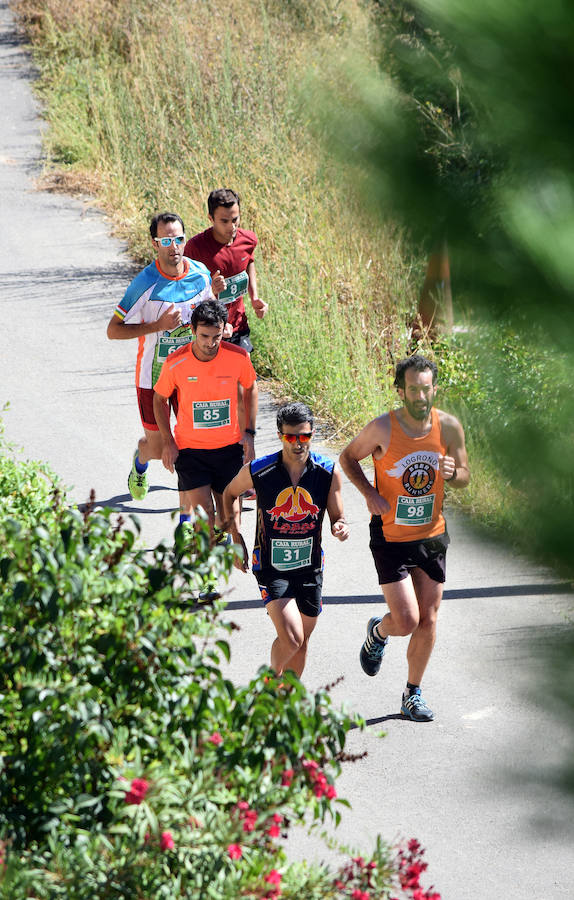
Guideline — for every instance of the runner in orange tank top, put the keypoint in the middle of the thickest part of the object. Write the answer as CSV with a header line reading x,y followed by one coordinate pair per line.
x,y
415,450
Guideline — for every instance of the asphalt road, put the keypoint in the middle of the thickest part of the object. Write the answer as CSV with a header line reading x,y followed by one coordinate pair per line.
x,y
471,786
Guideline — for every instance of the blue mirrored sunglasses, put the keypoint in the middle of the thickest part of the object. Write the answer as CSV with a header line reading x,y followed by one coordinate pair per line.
x,y
166,241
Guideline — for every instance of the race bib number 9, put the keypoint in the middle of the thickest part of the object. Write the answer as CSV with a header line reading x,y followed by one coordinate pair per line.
x,y
287,555
211,413
414,510
235,287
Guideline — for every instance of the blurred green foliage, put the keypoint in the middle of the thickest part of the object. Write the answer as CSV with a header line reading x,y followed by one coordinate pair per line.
x,y
462,130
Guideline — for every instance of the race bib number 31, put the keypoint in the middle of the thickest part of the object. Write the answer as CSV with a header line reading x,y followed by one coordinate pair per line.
x,y
414,510
287,555
211,413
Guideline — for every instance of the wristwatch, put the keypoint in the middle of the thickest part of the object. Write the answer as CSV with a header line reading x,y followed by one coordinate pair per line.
x,y
253,432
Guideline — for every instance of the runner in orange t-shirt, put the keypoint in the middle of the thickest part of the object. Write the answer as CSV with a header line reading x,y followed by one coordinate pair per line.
x,y
415,450
207,448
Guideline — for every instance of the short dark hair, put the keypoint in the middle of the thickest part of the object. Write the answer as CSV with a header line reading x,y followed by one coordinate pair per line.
x,y
222,197
166,218
210,312
294,414
416,362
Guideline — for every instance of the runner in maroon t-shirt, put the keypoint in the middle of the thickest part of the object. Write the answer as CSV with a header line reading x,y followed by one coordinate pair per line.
x,y
227,251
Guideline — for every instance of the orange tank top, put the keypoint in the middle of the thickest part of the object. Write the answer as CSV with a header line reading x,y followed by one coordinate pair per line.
x,y
407,476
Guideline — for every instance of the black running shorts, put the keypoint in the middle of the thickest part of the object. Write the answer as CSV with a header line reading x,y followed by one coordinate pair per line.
x,y
305,589
216,468
395,559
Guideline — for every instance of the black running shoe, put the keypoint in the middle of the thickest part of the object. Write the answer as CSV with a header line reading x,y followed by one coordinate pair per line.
x,y
415,708
373,649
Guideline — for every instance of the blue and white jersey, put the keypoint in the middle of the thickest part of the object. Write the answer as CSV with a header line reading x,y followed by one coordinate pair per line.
x,y
147,298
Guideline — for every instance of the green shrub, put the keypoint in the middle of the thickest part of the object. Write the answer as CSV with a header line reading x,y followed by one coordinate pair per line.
x,y
130,766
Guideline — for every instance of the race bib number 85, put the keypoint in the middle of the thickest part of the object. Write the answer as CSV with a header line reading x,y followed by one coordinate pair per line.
x,y
211,413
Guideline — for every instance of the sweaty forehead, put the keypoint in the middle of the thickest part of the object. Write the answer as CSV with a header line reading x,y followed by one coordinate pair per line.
x,y
302,427
412,377
224,212
167,229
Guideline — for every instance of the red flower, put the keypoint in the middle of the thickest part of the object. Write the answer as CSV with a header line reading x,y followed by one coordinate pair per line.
x,y
358,894
166,841
215,738
234,851
243,804
277,818
331,792
274,877
274,831
248,825
287,777
138,789
310,764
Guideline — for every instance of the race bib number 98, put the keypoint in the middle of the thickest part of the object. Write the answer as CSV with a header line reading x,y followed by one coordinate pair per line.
x,y
414,510
211,413
287,555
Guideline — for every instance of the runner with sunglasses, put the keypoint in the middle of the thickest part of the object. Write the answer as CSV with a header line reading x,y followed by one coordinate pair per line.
x,y
156,309
294,488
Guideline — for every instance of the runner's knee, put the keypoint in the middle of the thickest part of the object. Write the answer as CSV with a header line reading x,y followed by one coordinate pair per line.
x,y
293,638
406,621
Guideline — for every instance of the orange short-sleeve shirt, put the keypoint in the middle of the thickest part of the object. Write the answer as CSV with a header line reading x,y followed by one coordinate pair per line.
x,y
206,395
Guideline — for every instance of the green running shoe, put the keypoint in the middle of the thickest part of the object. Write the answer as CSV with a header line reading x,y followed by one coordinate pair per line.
x,y
137,481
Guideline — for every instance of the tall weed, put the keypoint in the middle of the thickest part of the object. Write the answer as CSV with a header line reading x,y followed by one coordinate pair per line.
x,y
166,107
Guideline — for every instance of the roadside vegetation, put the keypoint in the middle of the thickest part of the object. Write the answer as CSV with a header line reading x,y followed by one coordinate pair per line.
x,y
130,766
150,110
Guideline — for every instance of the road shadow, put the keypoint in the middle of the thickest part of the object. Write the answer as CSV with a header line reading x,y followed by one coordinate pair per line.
x,y
124,503
512,590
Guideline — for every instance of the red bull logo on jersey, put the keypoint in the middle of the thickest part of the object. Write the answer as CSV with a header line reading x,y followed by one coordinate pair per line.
x,y
293,505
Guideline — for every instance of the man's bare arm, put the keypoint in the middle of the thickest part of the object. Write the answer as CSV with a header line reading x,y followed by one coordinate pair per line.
x,y
232,511
170,450
454,466
121,331
339,526
251,400
373,440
